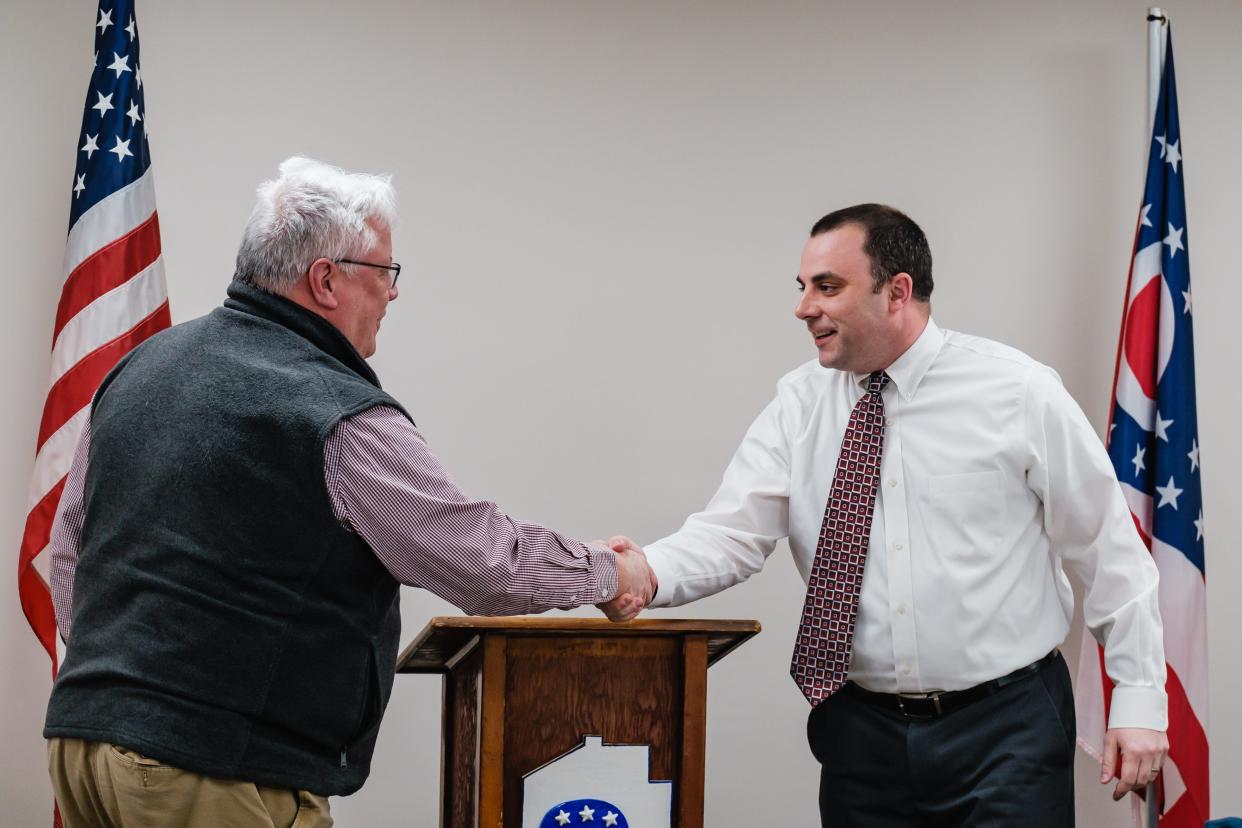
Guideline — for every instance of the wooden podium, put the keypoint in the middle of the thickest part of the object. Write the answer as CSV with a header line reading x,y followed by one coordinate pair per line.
x,y
520,692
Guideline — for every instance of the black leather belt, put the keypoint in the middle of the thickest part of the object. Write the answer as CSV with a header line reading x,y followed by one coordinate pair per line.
x,y
934,705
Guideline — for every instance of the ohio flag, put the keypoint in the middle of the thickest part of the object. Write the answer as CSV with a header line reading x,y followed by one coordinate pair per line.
x,y
1153,440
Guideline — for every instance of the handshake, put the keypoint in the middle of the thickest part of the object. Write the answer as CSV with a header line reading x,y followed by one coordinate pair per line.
x,y
636,583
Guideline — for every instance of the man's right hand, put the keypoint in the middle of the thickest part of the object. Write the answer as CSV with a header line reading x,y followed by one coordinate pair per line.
x,y
636,583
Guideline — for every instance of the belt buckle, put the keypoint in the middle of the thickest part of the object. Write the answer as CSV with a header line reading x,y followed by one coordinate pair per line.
x,y
933,697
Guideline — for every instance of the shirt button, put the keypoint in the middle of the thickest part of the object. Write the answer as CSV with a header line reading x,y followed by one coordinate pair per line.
x,y
901,609
905,669
603,592
898,547
888,421
892,481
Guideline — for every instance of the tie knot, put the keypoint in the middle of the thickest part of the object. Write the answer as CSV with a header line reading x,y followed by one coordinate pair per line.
x,y
877,381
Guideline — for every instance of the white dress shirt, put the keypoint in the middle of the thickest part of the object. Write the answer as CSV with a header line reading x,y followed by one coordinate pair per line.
x,y
991,481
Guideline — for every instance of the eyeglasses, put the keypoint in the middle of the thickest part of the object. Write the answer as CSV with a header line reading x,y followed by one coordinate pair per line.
x,y
394,269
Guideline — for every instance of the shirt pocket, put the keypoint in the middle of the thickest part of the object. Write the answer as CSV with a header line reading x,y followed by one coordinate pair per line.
x,y
965,514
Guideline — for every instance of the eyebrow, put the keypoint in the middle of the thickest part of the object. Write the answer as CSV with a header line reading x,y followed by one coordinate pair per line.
x,y
819,278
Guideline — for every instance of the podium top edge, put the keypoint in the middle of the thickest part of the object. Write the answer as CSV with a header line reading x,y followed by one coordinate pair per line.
x,y
574,624
443,637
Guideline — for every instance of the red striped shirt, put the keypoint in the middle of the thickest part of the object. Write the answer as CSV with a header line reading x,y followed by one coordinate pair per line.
x,y
387,486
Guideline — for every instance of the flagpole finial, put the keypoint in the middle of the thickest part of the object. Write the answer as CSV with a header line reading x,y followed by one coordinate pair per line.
x,y
1157,13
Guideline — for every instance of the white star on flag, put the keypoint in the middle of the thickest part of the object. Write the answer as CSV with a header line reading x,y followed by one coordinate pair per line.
x,y
1143,219
105,20
1193,454
103,104
562,818
1174,239
1199,527
138,76
90,146
1171,154
610,819
587,814
121,149
1138,460
1168,494
79,186
120,64
1163,145
133,115
129,30
1162,426
1186,296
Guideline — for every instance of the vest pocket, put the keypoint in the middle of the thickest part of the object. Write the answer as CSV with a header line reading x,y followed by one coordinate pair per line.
x,y
372,710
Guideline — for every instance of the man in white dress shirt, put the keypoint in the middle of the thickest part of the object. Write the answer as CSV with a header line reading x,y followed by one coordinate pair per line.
x,y
958,708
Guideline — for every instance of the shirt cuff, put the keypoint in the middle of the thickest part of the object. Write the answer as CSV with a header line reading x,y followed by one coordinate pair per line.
x,y
604,582
1145,707
666,580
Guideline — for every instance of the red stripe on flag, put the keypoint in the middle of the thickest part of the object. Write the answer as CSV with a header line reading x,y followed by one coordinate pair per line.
x,y
35,596
1183,814
73,391
107,268
1188,747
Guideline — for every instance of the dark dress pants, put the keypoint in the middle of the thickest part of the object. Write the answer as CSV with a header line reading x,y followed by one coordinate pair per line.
x,y
1005,760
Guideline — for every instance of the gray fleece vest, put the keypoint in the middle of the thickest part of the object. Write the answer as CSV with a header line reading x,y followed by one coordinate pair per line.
x,y
223,620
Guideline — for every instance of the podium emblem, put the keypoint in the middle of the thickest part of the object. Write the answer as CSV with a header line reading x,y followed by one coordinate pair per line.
x,y
583,811
597,786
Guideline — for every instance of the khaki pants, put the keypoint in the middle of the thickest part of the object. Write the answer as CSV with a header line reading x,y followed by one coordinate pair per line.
x,y
98,785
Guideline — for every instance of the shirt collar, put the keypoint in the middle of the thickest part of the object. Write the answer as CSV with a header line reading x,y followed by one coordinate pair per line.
x,y
908,370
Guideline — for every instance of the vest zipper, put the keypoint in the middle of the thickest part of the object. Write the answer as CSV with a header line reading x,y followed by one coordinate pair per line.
x,y
344,761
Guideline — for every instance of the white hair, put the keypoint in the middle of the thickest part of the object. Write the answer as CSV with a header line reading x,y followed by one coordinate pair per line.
x,y
311,210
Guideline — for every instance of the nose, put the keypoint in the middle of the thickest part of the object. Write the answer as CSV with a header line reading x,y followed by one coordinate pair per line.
x,y
805,309
393,292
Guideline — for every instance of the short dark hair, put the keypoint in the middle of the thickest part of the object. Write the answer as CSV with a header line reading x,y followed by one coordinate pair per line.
x,y
894,243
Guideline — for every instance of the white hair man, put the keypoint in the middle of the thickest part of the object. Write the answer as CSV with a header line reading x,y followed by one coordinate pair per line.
x,y
241,510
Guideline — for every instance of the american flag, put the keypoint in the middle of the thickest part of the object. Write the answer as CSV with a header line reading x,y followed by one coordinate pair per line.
x,y
113,294
1154,444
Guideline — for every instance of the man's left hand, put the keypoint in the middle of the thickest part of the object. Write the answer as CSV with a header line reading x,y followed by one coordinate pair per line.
x,y
1133,756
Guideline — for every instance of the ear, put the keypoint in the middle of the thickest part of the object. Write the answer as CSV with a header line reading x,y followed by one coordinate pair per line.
x,y
321,278
900,291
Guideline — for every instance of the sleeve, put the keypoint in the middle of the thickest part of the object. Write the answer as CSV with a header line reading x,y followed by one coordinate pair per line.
x,y
388,487
1091,529
65,541
731,539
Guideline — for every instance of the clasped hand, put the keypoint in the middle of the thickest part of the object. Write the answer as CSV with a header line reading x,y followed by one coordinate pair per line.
x,y
636,583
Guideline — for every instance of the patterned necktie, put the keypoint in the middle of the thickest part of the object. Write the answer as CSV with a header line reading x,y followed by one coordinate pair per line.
x,y
821,657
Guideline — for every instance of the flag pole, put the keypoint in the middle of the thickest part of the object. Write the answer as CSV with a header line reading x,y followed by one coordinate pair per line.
x,y
1157,27
1157,23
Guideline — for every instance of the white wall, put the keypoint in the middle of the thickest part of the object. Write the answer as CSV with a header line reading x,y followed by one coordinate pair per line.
x,y
603,206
